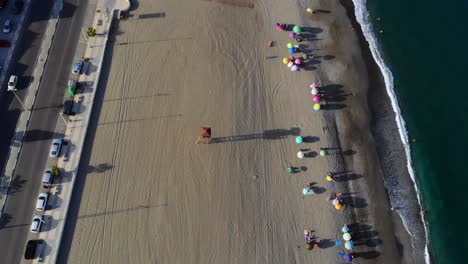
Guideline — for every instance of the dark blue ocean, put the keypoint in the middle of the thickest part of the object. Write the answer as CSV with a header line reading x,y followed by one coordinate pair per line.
x,y
425,46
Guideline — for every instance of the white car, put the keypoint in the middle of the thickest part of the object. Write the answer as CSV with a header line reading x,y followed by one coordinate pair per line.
x,y
56,147
41,203
7,26
12,82
37,223
77,64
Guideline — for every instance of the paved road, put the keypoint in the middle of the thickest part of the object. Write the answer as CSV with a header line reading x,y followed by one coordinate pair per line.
x,y
26,184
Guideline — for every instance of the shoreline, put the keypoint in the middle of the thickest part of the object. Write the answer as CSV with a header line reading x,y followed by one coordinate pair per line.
x,y
380,108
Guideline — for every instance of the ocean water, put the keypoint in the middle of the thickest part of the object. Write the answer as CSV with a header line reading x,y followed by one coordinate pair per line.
x,y
423,53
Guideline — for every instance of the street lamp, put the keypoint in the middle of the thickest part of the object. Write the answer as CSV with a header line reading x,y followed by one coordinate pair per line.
x,y
63,119
19,100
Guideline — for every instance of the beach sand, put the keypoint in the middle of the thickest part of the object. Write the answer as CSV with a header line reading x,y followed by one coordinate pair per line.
x,y
146,193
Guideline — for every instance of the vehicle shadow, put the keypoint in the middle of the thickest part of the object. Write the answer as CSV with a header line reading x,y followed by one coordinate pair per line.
x,y
50,223
54,202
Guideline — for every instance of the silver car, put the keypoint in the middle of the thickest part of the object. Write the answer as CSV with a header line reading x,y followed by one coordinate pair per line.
x,y
37,223
77,64
41,203
56,147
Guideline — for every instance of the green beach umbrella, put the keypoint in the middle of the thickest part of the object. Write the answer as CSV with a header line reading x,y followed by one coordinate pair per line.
x,y
299,140
289,45
309,246
323,153
297,29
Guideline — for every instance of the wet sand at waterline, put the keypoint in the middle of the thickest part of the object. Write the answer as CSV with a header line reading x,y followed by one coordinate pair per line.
x,y
146,193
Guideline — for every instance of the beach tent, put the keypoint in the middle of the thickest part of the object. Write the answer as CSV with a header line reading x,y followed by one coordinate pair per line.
x,y
347,236
297,29
349,245
299,140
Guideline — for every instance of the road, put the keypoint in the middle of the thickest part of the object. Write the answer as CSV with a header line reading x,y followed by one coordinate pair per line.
x,y
26,183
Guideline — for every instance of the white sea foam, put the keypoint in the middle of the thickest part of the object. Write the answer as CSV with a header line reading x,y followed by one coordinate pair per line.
x,y
362,17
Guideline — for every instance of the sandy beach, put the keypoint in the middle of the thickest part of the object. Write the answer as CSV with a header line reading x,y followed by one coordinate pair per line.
x,y
146,193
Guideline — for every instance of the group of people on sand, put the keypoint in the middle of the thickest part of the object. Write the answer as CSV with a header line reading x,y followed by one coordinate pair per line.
x,y
335,198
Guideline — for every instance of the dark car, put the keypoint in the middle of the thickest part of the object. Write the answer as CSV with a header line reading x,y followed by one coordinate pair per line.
x,y
30,251
17,7
68,108
3,3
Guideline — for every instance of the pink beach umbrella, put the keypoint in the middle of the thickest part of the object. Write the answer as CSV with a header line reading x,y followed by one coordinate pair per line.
x,y
314,85
279,28
316,99
298,61
314,91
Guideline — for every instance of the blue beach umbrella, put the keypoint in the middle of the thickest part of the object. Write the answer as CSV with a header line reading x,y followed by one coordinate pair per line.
x,y
345,229
349,245
331,184
299,140
291,50
338,243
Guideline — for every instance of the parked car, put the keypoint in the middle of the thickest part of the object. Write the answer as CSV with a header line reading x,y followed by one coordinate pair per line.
x,y
41,203
56,147
36,224
71,87
31,246
5,43
12,82
17,7
47,178
7,26
68,108
77,64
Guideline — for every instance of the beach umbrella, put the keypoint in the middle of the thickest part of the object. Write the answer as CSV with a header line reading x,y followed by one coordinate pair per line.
x,y
292,35
290,45
338,243
290,64
338,207
335,202
297,29
331,184
309,10
329,179
347,236
298,62
290,170
309,246
316,99
307,232
295,68
291,50
323,153
314,91
279,28
316,107
307,191
300,154
349,245
348,258
345,229
314,85
299,140
292,59
308,239
285,60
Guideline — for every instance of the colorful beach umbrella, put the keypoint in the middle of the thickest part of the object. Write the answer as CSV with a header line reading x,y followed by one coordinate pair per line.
x,y
348,258
331,184
309,246
345,229
314,91
292,35
335,202
316,107
309,10
279,28
316,99
298,61
338,243
314,85
297,29
347,236
285,61
307,191
300,154
291,50
323,153
290,64
338,207
295,68
299,139
290,45
349,245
